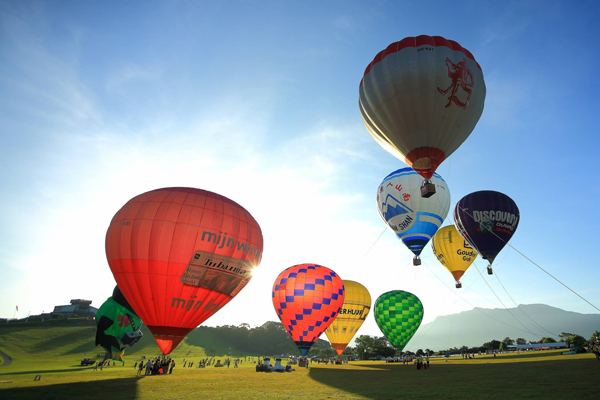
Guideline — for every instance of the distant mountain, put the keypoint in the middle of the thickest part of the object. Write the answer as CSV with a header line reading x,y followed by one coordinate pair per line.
x,y
475,327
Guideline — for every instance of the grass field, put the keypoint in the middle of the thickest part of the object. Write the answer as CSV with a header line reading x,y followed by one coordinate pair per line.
x,y
55,354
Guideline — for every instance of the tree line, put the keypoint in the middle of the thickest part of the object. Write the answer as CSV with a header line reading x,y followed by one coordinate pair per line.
x,y
271,338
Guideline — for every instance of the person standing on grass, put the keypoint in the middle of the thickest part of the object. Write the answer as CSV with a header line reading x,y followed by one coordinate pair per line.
x,y
140,368
171,367
596,350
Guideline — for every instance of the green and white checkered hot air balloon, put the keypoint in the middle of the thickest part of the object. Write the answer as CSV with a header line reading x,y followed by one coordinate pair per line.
x,y
398,314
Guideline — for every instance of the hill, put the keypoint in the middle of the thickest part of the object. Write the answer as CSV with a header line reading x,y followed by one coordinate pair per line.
x,y
472,328
76,337
475,327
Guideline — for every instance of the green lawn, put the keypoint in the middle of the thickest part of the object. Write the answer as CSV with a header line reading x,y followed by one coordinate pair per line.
x,y
54,352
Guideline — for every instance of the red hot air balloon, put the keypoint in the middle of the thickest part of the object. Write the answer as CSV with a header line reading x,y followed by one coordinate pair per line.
x,y
307,298
420,98
179,255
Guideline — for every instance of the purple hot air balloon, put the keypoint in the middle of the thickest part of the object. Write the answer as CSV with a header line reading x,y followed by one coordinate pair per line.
x,y
487,220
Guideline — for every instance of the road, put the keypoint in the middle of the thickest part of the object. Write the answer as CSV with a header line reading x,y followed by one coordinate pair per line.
x,y
6,360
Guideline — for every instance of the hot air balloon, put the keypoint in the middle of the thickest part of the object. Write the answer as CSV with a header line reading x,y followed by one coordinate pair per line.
x,y
117,326
413,218
398,314
357,303
421,98
487,220
179,255
453,252
307,298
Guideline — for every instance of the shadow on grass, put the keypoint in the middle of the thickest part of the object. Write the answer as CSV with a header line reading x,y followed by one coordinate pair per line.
x,y
548,380
125,388
47,371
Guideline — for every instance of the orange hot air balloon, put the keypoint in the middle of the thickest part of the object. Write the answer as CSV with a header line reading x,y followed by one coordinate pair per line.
x,y
179,255
307,298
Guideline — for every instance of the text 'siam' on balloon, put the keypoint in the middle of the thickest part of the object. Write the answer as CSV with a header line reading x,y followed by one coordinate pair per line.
x,y
179,255
307,298
421,98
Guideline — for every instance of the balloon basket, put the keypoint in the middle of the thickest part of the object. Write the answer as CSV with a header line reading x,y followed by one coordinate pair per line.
x,y
427,189
458,285
489,269
416,261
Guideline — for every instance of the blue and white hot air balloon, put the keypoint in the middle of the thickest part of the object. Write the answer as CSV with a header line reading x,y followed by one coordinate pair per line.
x,y
413,218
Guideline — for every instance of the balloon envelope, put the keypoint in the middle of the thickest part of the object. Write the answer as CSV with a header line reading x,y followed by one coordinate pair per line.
x,y
398,314
357,303
420,98
487,220
179,255
117,326
307,298
452,251
413,218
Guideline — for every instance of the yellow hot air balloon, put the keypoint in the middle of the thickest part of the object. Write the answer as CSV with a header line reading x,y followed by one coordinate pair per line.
x,y
357,304
453,251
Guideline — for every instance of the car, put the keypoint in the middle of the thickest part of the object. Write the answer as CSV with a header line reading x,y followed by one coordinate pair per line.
x,y
87,361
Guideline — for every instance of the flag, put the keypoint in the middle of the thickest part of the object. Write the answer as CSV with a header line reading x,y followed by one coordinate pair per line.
x,y
17,308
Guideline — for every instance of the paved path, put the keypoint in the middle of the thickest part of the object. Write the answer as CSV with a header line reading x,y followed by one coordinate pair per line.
x,y
6,360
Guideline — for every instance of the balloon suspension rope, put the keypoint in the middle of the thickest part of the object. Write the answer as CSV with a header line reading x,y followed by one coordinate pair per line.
x,y
506,308
534,263
524,313
474,307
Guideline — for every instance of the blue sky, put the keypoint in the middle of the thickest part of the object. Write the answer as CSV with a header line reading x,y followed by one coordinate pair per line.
x,y
258,101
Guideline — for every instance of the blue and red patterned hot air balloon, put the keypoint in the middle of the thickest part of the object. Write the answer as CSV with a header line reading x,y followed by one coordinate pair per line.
x,y
307,298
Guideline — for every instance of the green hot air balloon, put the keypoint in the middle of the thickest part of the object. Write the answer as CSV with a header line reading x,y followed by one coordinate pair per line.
x,y
398,314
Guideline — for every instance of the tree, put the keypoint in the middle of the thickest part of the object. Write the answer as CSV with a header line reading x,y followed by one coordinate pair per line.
x,y
364,346
370,347
565,336
521,341
547,340
595,337
577,340
508,341
492,345
420,352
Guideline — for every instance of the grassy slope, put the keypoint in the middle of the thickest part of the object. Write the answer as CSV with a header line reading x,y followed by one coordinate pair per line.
x,y
54,351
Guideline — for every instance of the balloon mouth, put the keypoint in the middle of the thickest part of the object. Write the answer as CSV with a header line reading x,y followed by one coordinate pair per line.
x,y
457,275
339,348
425,160
304,347
167,337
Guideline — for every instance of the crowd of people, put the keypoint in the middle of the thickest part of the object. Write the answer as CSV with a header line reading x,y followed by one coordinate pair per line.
x,y
162,365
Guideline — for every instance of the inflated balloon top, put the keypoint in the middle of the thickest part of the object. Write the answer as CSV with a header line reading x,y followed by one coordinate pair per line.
x,y
398,314
421,98
414,219
357,303
307,298
487,220
179,255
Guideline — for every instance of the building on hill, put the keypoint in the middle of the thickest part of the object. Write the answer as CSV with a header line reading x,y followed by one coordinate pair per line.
x,y
78,307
